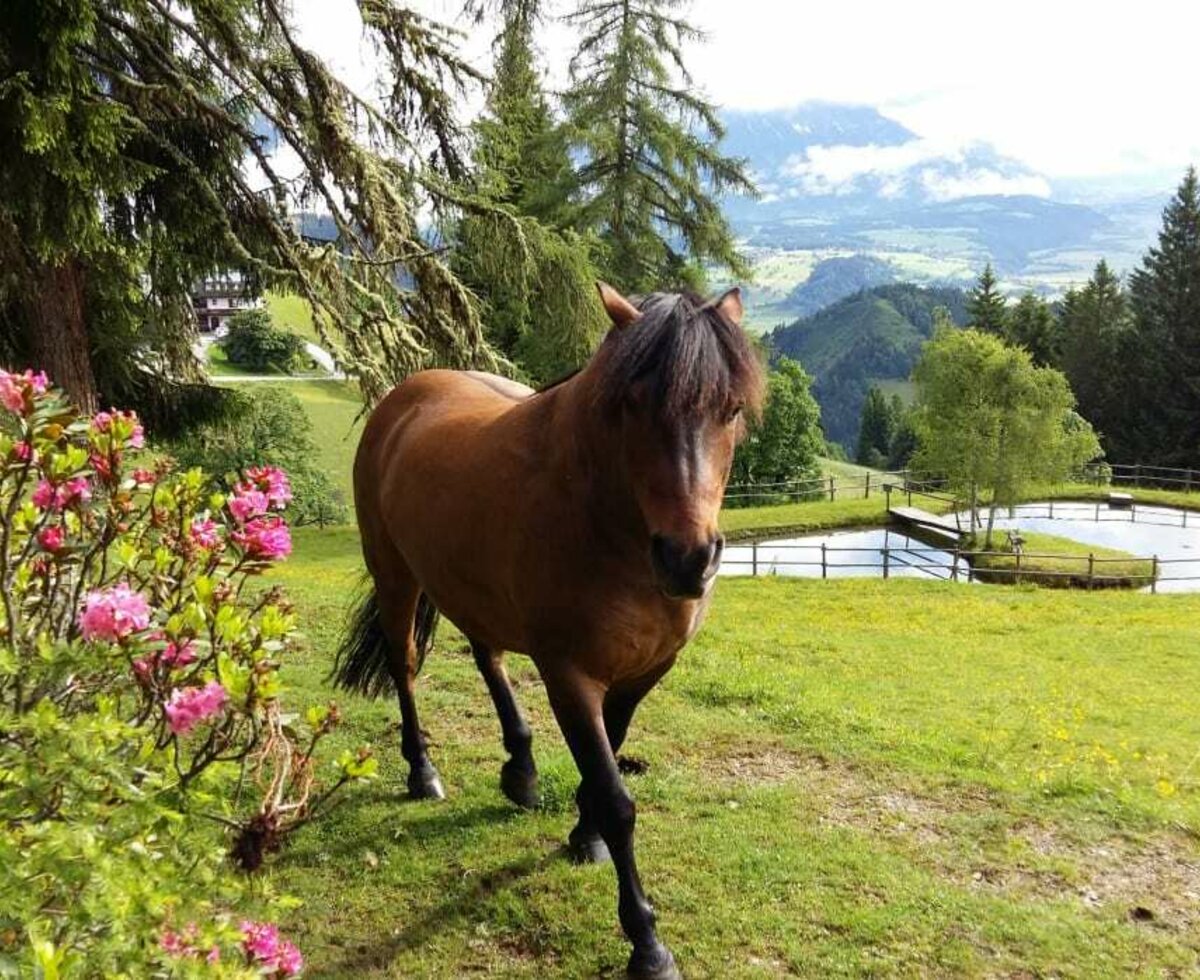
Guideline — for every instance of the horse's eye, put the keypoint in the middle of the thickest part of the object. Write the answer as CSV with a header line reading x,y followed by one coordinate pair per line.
x,y
733,415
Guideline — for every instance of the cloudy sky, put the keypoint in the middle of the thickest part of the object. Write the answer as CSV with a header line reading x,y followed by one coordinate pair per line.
x,y
1072,88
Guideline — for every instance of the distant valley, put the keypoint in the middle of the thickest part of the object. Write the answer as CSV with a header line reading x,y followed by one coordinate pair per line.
x,y
852,199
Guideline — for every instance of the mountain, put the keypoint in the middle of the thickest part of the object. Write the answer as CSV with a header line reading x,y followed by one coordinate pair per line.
x,y
837,277
874,335
847,177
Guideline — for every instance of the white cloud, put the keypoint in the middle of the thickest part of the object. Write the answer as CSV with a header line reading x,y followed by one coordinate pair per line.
x,y
940,171
947,187
1068,88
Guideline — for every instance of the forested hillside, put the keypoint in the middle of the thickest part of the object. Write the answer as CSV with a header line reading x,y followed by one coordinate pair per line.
x,y
873,335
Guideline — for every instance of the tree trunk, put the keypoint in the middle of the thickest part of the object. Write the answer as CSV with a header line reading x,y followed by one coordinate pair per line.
x,y
58,338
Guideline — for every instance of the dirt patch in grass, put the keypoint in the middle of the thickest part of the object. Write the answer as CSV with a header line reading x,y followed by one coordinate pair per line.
x,y
771,766
1154,879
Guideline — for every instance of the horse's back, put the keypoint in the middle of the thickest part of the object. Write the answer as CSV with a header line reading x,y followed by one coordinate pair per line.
x,y
438,479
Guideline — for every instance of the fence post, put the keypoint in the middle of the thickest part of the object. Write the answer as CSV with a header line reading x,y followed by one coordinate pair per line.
x,y
1187,482
1097,511
753,558
954,567
1017,574
868,493
831,491
1154,577
824,569
887,496
1137,474
1091,569
886,551
1051,509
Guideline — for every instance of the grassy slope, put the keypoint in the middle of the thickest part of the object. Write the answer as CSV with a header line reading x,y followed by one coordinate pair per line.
x,y
846,778
333,409
825,338
292,313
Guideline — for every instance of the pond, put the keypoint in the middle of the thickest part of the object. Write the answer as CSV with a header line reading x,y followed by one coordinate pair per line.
x,y
1171,534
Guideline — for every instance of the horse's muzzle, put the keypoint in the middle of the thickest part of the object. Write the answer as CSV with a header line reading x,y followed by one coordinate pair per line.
x,y
684,572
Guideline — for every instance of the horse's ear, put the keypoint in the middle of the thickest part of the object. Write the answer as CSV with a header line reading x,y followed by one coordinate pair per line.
x,y
730,306
619,309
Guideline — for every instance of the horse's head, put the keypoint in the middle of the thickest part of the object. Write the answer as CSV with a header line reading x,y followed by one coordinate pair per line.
x,y
678,378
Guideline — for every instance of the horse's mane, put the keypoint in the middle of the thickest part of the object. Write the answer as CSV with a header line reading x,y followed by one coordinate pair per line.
x,y
692,359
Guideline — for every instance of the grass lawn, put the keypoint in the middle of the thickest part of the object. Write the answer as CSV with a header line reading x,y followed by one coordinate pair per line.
x,y
290,312
846,778
334,409
1061,562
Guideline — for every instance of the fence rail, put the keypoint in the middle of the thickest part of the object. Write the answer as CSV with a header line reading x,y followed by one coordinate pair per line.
x,y
956,564
1141,475
829,487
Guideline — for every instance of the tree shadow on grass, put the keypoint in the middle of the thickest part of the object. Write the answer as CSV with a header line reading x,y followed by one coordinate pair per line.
x,y
353,830
462,902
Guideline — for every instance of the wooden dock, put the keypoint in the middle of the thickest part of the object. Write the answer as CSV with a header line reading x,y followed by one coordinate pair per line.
x,y
914,517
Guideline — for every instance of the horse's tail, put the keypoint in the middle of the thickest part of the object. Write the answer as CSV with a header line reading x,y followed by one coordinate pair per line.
x,y
362,659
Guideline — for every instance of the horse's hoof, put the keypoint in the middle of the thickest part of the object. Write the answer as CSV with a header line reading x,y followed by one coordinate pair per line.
x,y
425,784
654,963
587,849
520,786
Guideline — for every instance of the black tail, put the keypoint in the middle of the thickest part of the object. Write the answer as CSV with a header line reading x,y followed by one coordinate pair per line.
x,y
362,659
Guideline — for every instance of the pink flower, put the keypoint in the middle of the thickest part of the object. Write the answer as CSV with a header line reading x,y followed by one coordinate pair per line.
x,y
265,948
22,450
183,944
188,706
178,654
49,497
14,388
205,533
124,427
265,537
172,655
43,495
143,476
51,538
272,481
75,490
112,614
247,502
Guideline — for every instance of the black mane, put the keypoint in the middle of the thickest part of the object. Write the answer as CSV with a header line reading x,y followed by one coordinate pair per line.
x,y
692,359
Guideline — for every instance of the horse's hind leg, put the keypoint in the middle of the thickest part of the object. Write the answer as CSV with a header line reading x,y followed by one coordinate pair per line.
x,y
399,602
518,776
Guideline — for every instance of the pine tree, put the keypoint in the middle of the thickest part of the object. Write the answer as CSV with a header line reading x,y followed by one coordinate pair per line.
x,y
521,150
1165,361
876,430
986,309
1031,324
1096,329
652,172
539,301
125,131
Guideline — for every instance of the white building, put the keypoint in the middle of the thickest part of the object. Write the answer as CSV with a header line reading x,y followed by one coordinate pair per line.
x,y
218,297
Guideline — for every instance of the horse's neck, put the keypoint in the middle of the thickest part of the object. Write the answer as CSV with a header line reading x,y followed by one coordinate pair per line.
x,y
585,447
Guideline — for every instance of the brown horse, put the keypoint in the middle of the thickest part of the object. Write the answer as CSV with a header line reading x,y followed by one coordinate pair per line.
x,y
577,525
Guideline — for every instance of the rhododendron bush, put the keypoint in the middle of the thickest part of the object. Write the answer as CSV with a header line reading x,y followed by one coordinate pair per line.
x,y
146,761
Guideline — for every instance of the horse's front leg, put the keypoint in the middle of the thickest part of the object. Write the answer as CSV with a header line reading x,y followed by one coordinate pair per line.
x,y
585,845
579,707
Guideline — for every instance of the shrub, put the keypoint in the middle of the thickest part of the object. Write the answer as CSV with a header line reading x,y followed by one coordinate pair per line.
x,y
254,343
145,754
261,426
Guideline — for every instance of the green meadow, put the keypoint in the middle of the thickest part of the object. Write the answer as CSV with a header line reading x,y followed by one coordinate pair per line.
x,y
845,778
